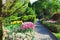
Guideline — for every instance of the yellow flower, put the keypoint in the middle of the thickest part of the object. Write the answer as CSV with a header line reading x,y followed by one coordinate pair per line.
x,y
19,21
16,22
13,22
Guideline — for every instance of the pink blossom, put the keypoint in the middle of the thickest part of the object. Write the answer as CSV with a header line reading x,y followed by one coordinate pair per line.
x,y
27,25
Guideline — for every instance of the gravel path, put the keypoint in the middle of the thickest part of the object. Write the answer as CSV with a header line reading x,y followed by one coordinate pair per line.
x,y
41,33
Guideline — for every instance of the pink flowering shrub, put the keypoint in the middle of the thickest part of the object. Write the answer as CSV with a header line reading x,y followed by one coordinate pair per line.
x,y
27,25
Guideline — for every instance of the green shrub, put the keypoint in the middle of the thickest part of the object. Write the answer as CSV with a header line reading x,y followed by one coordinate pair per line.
x,y
30,18
58,22
52,27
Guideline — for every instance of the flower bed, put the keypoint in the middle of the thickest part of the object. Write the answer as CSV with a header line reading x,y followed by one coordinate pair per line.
x,y
18,30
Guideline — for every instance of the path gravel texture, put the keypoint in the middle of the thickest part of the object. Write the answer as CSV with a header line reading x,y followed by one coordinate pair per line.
x,y
41,33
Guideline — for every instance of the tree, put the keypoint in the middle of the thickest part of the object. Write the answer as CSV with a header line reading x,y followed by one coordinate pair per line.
x,y
46,8
28,15
39,6
11,9
1,19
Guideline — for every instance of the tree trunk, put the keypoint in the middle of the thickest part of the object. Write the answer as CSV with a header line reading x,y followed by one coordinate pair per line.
x,y
1,33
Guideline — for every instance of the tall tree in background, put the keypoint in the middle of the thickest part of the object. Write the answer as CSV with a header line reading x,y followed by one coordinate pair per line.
x,y
39,6
46,8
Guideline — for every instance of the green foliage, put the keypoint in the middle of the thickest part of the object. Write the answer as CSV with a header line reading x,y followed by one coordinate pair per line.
x,y
13,9
11,27
30,11
23,8
57,35
45,8
25,18
28,15
52,27
17,6
28,18
10,18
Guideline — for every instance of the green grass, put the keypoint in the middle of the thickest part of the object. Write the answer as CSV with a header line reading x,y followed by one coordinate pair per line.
x,y
57,35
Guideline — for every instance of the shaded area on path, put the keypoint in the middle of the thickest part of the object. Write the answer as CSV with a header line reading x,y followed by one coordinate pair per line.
x,y
41,33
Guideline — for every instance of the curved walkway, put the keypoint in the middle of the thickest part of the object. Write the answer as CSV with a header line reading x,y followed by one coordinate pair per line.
x,y
41,33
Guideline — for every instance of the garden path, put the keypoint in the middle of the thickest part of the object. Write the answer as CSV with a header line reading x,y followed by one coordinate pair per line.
x,y
42,33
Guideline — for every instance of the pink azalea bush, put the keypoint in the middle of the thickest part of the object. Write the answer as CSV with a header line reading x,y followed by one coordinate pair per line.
x,y
27,25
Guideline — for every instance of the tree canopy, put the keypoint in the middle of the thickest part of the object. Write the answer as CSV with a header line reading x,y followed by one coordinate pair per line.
x,y
46,7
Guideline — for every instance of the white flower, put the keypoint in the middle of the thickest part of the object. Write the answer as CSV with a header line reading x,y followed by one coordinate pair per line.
x,y
25,39
29,34
10,36
20,35
18,38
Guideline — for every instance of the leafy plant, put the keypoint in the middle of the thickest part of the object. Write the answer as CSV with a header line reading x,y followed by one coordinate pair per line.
x,y
30,18
13,9
52,27
45,8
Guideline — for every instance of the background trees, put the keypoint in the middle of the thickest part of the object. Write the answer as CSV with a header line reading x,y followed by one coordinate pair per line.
x,y
46,8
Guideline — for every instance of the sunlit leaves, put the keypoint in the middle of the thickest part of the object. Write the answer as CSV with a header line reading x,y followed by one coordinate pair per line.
x,y
17,5
9,3
30,11
23,8
14,7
